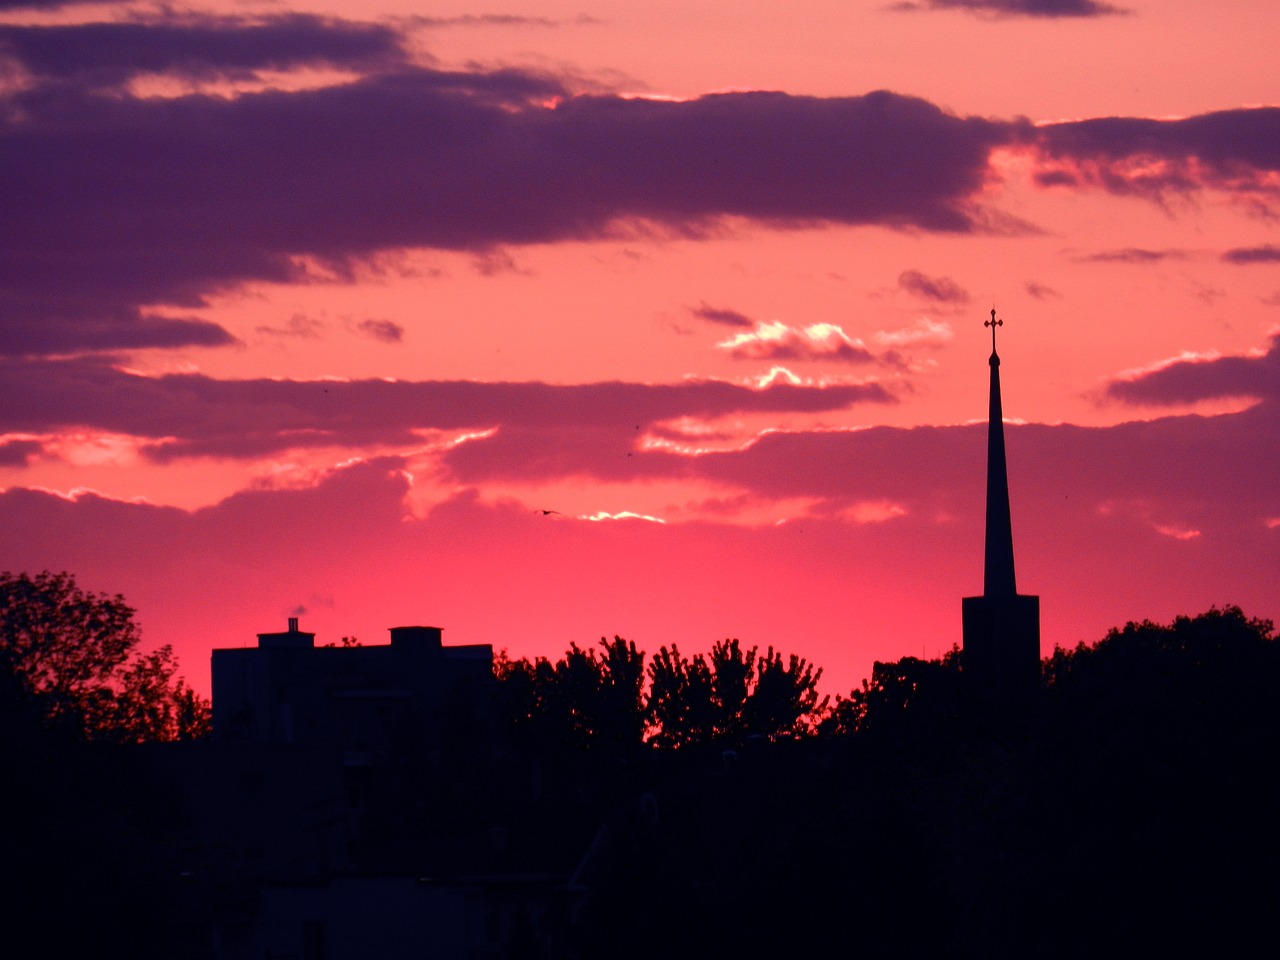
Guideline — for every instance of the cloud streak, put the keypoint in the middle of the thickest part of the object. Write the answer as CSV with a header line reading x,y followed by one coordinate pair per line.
x,y
185,415
1047,9
1091,505
722,316
1243,256
937,289
777,342
1133,255
197,47
1231,150
1184,380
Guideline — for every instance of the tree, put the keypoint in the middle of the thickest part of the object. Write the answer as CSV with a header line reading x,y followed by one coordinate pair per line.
x,y
732,695
590,700
907,695
584,701
681,701
73,655
152,703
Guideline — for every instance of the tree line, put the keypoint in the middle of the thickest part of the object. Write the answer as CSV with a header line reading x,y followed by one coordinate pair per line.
x,y
73,659
1135,817
609,698
612,697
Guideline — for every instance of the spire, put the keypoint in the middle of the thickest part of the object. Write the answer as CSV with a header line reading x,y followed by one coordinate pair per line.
x,y
1001,627
998,578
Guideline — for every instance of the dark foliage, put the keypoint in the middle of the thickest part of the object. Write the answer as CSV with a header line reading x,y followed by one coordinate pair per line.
x,y
73,655
1132,815
714,806
600,701
909,696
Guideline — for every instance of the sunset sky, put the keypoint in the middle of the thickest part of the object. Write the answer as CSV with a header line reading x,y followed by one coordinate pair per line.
x,y
545,321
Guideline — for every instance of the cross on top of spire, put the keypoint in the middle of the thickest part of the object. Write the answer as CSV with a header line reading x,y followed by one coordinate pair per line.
x,y
993,323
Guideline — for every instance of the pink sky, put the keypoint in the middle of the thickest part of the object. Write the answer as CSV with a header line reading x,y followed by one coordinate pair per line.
x,y
312,309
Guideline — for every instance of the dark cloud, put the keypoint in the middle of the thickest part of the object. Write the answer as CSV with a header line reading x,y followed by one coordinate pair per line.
x,y
1191,469
1019,8
722,316
1189,381
499,20
1133,255
115,204
121,329
1041,291
385,330
1267,253
940,289
193,415
195,47
16,453
299,326
772,156
922,464
7,5
1237,150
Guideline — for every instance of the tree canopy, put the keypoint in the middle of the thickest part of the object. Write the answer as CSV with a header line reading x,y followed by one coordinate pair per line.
x,y
607,699
73,655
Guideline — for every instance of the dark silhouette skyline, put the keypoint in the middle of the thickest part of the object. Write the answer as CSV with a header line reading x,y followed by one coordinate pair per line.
x,y
530,812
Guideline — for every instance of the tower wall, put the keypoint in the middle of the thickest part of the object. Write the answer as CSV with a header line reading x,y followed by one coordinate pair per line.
x,y
1001,658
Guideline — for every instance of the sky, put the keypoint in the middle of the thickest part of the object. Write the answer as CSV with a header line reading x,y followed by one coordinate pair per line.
x,y
545,322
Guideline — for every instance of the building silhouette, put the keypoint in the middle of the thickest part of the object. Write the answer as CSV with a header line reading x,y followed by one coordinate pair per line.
x,y
330,811
1001,653
286,690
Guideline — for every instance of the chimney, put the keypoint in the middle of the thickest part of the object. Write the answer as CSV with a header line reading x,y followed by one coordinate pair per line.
x,y
292,638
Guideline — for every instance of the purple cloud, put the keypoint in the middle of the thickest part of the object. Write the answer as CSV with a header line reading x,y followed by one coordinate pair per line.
x,y
1041,291
1020,8
299,326
940,289
193,415
1234,150
124,328
1191,380
385,330
16,453
45,4
197,47
727,318
187,196
1197,470
1267,253
499,20
1133,255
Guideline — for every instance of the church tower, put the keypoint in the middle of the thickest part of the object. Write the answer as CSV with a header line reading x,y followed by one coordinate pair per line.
x,y
1001,657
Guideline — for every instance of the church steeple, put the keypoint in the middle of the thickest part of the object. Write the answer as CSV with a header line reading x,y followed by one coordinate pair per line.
x,y
1001,658
997,572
